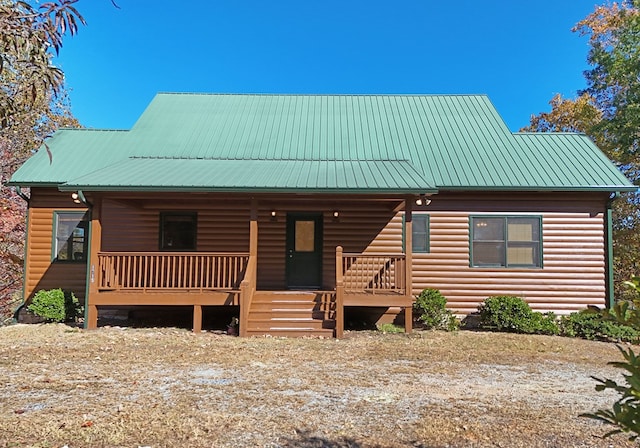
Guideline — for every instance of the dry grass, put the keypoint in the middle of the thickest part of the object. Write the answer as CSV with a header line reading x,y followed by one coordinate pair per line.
x,y
168,387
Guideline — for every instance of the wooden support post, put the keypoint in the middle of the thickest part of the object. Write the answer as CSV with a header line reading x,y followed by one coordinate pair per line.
x,y
95,244
91,321
408,262
197,318
248,285
253,229
339,294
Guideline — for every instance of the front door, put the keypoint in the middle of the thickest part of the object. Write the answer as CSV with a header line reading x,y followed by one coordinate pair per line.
x,y
304,250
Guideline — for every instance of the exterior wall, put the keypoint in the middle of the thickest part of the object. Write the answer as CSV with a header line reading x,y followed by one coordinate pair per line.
x,y
40,271
132,225
572,276
573,272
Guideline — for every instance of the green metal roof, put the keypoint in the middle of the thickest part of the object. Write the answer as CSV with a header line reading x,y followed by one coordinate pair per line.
x,y
311,176
320,143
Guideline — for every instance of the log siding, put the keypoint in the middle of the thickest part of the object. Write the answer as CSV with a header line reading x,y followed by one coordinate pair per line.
x,y
40,271
572,276
573,272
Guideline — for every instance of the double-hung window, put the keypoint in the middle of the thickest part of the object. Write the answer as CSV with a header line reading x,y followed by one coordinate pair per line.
x,y
419,233
506,241
70,236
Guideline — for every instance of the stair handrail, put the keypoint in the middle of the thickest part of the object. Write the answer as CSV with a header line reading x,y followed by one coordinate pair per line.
x,y
247,289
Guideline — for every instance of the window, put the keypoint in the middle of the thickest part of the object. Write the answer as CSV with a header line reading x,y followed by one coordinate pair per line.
x,y
419,233
71,232
509,241
178,231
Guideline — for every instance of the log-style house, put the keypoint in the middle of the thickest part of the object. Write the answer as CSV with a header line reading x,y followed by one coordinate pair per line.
x,y
293,208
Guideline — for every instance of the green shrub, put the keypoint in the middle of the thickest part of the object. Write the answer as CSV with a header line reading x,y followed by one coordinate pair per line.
x,y
592,325
513,314
625,412
55,305
431,306
390,328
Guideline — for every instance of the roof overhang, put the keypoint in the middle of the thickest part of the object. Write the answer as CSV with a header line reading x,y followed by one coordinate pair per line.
x,y
256,176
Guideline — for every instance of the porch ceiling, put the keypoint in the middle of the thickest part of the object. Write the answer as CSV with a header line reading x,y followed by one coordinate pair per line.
x,y
314,176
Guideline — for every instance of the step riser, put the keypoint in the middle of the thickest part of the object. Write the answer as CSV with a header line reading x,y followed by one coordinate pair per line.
x,y
287,314
292,314
267,325
293,334
289,306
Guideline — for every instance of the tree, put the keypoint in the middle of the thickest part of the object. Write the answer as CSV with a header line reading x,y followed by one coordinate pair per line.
x,y
608,110
33,103
614,80
28,39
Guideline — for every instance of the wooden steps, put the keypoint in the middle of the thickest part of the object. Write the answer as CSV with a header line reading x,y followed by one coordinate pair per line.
x,y
291,314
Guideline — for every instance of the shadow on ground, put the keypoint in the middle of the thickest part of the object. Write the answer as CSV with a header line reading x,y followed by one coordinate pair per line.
x,y
304,439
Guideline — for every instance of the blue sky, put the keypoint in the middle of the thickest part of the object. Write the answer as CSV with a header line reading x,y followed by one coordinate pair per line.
x,y
520,53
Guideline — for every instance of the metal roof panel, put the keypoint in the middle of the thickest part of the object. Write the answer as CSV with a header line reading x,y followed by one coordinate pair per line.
x,y
354,141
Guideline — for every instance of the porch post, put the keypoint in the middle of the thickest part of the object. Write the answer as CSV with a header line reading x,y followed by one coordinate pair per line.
x,y
248,285
339,294
253,229
408,262
95,244
197,318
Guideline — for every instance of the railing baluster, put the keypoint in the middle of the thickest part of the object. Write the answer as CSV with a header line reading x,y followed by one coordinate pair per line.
x,y
153,271
374,273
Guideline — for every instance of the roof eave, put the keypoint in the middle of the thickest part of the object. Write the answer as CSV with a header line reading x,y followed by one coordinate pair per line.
x,y
563,188
187,189
13,183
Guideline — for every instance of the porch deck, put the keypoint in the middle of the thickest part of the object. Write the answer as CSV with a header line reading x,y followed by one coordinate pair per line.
x,y
216,279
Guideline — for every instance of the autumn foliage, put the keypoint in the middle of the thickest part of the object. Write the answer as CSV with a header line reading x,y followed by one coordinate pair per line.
x,y
608,111
33,104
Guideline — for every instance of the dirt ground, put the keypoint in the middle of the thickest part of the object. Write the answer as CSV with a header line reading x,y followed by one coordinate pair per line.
x,y
166,387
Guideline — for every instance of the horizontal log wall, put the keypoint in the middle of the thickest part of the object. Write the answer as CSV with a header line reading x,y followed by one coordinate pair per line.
x,y
573,273
356,227
573,251
132,224
40,272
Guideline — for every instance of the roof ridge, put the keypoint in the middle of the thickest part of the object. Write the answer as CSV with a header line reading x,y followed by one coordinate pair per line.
x,y
548,133
92,129
323,94
237,159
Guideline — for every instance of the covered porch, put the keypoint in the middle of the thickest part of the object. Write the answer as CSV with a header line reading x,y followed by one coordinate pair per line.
x,y
300,268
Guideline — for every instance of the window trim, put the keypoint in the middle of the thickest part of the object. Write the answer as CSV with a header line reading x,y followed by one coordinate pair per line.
x,y
193,214
427,217
506,265
54,236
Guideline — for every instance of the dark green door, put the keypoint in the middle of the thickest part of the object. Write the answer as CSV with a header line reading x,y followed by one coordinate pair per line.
x,y
304,250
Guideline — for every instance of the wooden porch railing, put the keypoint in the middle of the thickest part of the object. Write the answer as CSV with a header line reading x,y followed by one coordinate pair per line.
x,y
366,275
119,271
374,273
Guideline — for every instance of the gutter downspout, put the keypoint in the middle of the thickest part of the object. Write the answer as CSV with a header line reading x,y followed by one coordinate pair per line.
x,y
83,199
608,250
20,193
27,199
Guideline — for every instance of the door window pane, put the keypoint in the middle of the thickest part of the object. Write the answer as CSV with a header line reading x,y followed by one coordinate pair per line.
x,y
305,236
